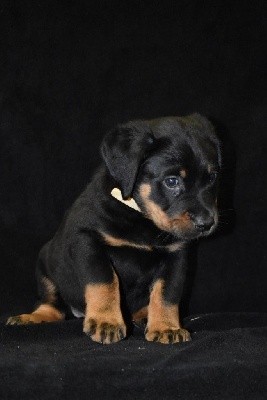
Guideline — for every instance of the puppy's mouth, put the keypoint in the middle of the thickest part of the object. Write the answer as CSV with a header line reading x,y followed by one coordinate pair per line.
x,y
192,227
182,226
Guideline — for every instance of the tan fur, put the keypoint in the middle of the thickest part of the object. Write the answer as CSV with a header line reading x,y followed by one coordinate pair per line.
x,y
183,173
140,314
50,290
159,217
160,313
163,319
175,247
117,242
44,313
103,317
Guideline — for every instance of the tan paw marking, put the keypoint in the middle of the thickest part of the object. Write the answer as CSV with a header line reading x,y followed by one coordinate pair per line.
x,y
167,336
44,313
103,318
105,332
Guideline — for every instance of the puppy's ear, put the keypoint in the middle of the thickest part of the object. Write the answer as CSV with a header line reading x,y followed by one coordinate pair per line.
x,y
123,150
201,122
209,127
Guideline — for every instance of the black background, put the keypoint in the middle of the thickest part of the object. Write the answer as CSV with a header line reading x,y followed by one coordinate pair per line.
x,y
71,70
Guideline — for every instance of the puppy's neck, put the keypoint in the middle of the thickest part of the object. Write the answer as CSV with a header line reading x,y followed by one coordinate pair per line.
x,y
116,193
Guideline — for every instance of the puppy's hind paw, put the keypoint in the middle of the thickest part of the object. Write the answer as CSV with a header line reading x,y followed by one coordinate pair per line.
x,y
22,319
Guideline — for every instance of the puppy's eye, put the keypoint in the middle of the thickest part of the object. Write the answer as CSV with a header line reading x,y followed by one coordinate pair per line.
x,y
171,182
213,177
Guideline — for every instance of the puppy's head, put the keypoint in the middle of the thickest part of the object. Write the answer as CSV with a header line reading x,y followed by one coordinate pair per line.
x,y
170,167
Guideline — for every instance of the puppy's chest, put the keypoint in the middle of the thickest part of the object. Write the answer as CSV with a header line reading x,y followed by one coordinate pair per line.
x,y
133,263
143,240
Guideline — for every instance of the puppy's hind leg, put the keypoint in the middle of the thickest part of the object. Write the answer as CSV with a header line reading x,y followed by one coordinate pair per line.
x,y
48,309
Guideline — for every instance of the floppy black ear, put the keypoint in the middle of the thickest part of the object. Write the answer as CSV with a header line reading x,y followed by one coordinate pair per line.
x,y
123,150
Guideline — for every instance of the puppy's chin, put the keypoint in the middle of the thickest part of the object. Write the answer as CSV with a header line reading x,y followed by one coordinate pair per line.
x,y
183,227
186,236
192,233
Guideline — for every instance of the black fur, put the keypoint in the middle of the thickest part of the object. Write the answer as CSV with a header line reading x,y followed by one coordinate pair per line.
x,y
136,154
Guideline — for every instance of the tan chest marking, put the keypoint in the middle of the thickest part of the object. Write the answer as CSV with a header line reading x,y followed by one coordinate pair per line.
x,y
175,247
118,242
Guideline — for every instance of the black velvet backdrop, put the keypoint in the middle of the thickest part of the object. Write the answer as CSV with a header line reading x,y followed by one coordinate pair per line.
x,y
70,70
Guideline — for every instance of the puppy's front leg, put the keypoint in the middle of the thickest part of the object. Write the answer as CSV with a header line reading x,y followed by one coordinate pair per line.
x,y
163,324
103,320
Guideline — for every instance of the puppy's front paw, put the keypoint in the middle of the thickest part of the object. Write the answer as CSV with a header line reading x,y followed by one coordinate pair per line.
x,y
104,332
167,336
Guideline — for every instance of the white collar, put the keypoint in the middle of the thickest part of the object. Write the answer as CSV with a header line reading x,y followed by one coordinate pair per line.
x,y
116,193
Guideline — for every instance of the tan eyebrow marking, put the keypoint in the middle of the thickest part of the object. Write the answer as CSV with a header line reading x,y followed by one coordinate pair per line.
x,y
183,173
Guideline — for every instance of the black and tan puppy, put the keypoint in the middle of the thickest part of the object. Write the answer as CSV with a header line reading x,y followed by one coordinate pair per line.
x,y
112,254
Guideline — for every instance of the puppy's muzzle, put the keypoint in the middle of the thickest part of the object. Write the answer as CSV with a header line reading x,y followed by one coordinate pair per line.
x,y
202,223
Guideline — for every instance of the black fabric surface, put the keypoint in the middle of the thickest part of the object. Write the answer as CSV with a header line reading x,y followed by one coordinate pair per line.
x,y
71,70
224,360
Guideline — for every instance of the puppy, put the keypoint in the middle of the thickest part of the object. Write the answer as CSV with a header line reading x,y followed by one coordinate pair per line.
x,y
123,243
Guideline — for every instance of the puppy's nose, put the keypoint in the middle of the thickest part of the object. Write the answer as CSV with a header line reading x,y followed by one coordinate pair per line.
x,y
202,224
204,227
